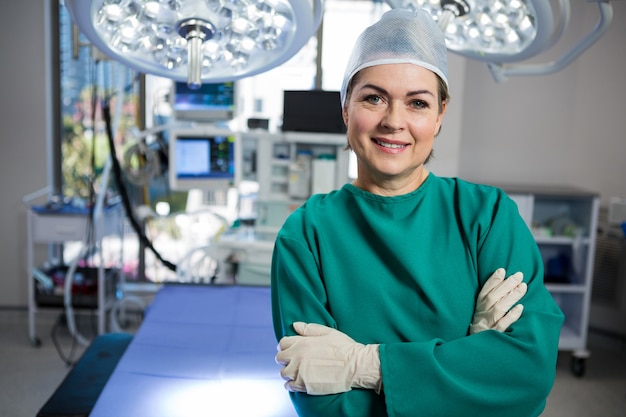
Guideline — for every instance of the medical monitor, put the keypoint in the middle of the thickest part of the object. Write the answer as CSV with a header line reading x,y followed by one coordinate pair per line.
x,y
202,157
209,103
312,111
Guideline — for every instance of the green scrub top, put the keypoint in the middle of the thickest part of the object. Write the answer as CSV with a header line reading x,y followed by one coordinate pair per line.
x,y
404,272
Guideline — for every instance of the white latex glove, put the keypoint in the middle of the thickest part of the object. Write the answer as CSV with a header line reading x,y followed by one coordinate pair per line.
x,y
323,360
493,305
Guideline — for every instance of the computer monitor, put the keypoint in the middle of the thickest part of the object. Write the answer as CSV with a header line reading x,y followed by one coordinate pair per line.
x,y
312,111
202,157
211,102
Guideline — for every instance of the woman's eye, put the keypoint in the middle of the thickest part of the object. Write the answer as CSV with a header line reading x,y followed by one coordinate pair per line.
x,y
373,99
419,104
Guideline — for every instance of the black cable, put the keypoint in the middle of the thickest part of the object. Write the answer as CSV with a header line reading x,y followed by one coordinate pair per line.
x,y
92,179
68,360
117,170
94,322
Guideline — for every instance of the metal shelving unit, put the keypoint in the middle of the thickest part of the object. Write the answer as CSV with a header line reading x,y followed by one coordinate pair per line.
x,y
59,226
266,158
564,223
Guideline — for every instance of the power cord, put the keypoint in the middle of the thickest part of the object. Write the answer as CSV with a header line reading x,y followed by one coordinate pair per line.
x,y
61,322
117,170
73,356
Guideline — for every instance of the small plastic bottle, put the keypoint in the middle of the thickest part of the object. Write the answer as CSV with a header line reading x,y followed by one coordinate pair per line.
x,y
299,185
323,174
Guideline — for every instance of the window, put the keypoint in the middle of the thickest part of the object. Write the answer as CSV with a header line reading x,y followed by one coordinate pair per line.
x,y
87,82
344,20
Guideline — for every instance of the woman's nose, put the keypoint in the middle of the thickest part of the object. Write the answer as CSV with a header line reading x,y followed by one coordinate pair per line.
x,y
393,118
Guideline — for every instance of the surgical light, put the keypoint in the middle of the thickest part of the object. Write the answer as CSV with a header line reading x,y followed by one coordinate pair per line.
x,y
505,32
198,41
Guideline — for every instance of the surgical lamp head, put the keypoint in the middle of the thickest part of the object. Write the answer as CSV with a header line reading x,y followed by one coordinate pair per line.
x,y
399,37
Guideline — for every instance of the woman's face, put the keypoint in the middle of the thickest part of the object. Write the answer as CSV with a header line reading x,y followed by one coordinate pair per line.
x,y
392,116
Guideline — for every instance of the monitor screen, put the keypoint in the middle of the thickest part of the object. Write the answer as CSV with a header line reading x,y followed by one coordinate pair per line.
x,y
210,102
312,111
202,158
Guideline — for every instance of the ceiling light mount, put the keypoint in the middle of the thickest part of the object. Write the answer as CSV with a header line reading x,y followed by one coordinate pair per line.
x,y
195,31
451,9
458,7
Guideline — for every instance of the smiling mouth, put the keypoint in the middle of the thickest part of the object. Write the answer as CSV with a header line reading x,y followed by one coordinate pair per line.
x,y
389,145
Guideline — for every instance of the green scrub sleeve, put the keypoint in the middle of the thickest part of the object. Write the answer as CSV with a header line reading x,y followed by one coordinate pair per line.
x,y
298,295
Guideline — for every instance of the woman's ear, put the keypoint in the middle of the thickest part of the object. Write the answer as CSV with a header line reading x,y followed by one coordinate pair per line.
x,y
444,107
344,114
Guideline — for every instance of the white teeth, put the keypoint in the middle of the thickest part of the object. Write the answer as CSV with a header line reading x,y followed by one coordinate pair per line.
x,y
390,145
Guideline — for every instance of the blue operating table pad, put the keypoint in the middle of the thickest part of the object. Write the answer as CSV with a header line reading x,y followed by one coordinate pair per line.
x,y
201,351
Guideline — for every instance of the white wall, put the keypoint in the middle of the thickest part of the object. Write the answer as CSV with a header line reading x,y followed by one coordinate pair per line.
x,y
565,128
447,147
23,159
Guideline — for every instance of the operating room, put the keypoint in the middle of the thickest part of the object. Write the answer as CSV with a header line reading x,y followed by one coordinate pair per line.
x,y
549,129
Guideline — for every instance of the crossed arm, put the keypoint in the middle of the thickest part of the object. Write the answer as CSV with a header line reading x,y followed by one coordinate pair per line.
x,y
321,360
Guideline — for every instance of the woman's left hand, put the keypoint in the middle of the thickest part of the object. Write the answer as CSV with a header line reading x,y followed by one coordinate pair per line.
x,y
494,305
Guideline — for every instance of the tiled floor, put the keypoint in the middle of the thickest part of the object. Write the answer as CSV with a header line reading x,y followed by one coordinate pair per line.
x,y
29,375
601,391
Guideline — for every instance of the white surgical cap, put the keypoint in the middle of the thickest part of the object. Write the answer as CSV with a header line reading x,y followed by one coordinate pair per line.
x,y
399,37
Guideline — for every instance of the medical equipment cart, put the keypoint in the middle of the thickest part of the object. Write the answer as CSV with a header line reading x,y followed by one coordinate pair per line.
x,y
65,224
563,221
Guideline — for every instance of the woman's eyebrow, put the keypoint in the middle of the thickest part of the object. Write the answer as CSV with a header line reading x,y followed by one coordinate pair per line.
x,y
409,94
375,87
419,92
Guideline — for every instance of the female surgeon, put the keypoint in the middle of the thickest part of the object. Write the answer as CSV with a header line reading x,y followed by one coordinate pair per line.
x,y
389,295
